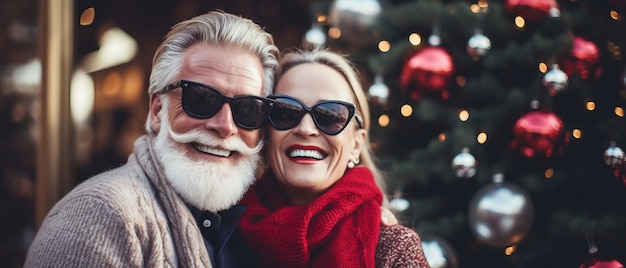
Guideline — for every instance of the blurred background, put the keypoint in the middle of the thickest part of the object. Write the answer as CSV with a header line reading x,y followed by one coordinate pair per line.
x,y
500,123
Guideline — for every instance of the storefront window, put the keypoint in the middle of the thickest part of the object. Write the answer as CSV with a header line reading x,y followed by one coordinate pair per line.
x,y
20,76
73,83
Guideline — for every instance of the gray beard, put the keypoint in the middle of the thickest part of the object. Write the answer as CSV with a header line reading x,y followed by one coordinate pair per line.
x,y
205,185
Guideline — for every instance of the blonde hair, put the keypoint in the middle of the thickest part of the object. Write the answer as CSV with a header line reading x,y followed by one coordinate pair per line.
x,y
348,70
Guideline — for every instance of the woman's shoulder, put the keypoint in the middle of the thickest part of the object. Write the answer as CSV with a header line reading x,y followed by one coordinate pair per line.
x,y
398,232
399,246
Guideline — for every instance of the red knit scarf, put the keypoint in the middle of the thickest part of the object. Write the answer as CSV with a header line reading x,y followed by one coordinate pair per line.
x,y
340,228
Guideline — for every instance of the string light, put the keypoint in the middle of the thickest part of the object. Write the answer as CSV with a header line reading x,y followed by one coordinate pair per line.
x,y
415,39
577,133
383,120
619,111
482,138
460,80
321,18
334,32
520,22
509,250
615,49
384,46
442,137
87,17
463,115
483,4
406,110
549,173
590,105
474,8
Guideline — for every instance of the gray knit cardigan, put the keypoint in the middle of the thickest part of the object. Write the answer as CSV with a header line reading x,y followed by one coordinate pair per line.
x,y
126,217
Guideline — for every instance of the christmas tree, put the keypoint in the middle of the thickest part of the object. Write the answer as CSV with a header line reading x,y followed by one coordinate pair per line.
x,y
500,124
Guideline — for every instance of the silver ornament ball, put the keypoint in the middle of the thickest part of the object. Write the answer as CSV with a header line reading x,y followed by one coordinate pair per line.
x,y
555,81
501,214
478,45
354,18
315,36
464,164
379,91
439,253
614,156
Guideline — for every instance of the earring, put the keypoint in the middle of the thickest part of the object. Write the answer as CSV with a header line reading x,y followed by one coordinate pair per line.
x,y
352,163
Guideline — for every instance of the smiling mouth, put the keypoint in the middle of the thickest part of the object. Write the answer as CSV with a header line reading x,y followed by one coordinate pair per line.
x,y
301,153
212,150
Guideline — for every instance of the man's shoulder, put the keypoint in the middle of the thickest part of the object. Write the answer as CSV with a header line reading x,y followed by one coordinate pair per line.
x,y
107,200
125,175
104,214
118,185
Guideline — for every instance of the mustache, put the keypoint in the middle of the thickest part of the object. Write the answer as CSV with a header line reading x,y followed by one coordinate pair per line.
x,y
232,143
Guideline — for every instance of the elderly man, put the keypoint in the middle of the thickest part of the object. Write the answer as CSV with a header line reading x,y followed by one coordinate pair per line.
x,y
174,202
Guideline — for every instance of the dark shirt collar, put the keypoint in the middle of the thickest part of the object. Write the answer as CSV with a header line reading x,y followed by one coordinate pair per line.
x,y
217,229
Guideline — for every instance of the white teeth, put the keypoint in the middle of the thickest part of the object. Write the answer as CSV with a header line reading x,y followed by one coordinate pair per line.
x,y
306,153
212,150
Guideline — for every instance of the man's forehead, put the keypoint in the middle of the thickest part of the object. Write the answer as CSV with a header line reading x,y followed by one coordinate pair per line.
x,y
228,69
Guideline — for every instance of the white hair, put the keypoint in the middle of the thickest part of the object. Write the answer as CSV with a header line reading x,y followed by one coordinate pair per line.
x,y
212,28
211,186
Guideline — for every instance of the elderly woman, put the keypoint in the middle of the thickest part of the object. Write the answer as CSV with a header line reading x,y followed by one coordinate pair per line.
x,y
319,203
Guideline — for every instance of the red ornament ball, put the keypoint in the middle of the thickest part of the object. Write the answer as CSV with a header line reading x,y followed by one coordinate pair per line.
x,y
583,60
427,71
539,133
531,10
596,263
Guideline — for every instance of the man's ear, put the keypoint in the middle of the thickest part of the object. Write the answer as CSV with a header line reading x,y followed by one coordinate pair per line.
x,y
155,107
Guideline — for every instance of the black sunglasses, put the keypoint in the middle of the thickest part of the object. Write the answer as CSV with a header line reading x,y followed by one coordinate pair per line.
x,y
331,117
202,101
